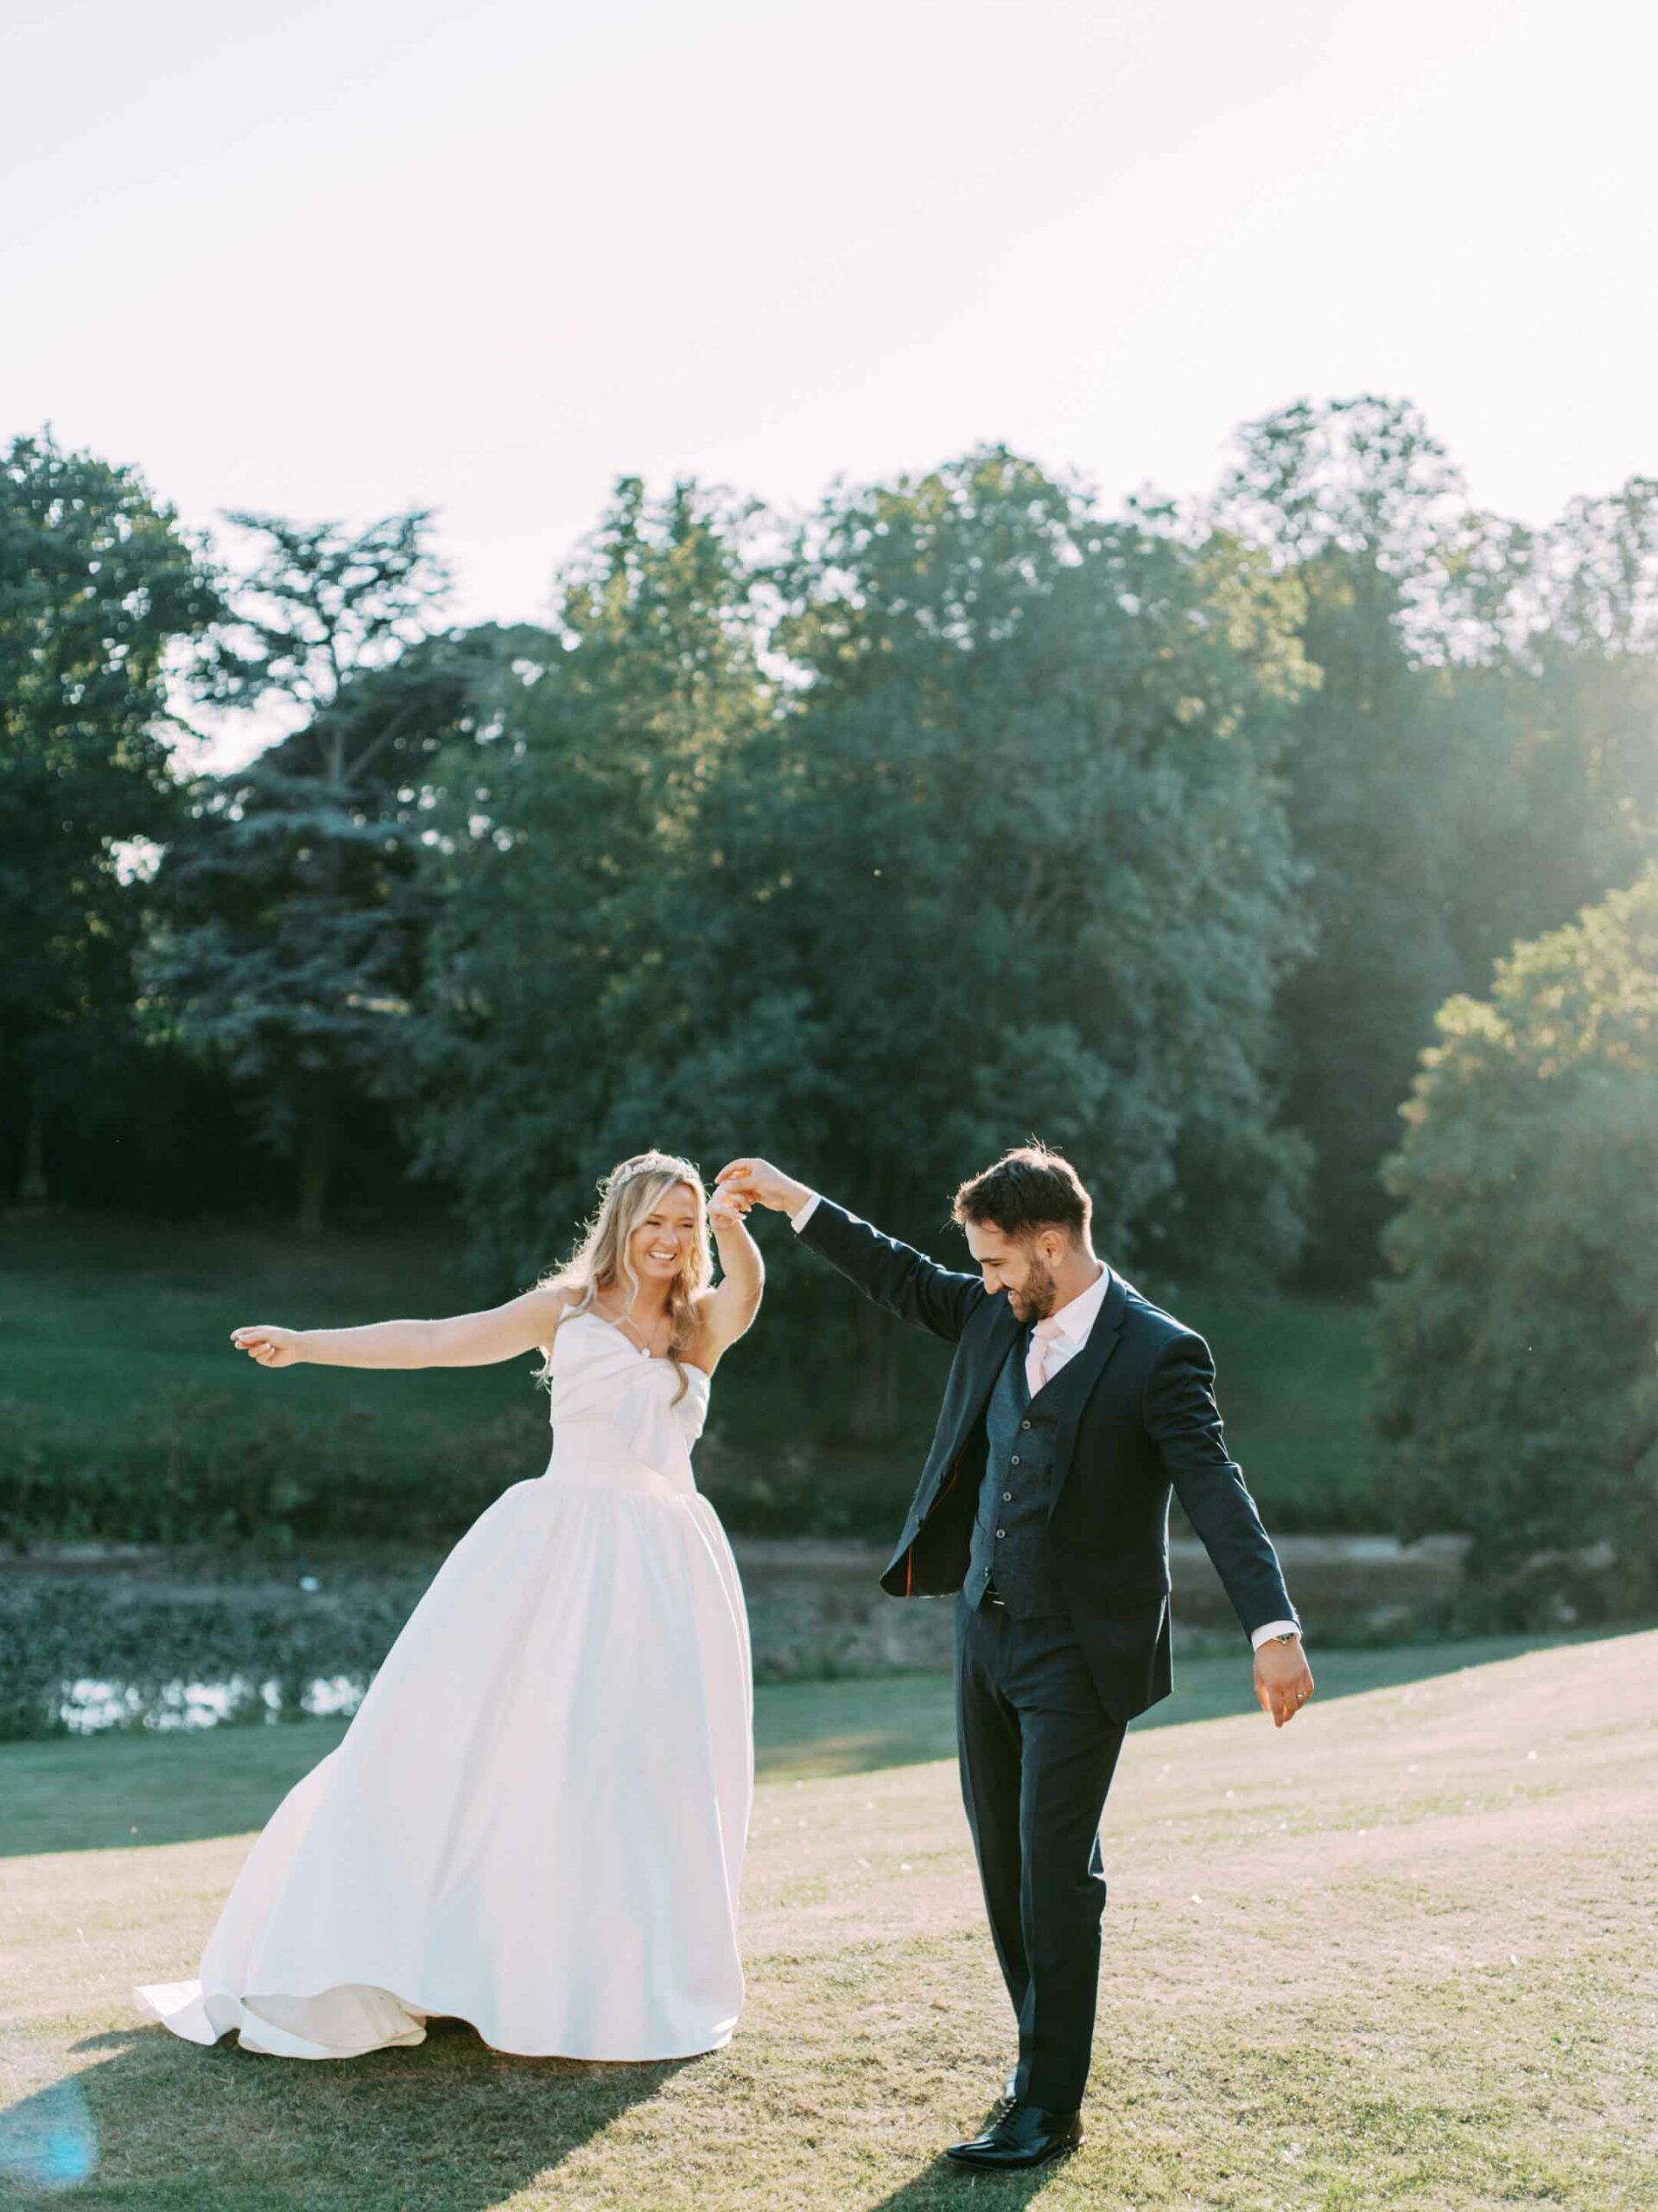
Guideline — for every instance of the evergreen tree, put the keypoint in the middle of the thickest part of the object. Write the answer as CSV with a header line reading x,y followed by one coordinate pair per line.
x,y
293,900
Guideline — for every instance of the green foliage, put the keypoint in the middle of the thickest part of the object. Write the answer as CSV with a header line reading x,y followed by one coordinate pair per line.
x,y
1039,872
1580,791
1517,1395
590,940
98,585
956,816
295,905
128,1416
956,811
1390,775
149,1647
190,1466
1476,762
195,1467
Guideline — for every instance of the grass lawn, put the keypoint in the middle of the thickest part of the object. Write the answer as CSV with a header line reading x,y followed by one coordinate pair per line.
x,y
99,1314
1291,1373
1397,1954
106,1792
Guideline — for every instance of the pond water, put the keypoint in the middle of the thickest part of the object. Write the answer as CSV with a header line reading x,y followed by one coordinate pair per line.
x,y
89,1705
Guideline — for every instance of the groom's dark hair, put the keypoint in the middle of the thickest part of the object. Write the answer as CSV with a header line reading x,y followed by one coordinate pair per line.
x,y
1027,1189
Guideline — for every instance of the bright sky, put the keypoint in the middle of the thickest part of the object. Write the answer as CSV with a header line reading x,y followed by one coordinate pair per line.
x,y
337,260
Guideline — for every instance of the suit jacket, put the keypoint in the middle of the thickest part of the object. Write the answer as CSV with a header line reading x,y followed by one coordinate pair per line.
x,y
1136,1422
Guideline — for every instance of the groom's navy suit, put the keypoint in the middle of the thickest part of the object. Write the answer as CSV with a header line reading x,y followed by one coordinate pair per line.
x,y
1049,1516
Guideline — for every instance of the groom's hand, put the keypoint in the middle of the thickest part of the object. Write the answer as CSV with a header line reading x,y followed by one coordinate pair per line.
x,y
762,1184
1283,1680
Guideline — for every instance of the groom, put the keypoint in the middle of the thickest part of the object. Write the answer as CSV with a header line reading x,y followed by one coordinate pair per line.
x,y
1074,1407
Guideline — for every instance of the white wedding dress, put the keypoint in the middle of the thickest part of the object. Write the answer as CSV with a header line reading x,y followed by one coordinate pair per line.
x,y
536,1820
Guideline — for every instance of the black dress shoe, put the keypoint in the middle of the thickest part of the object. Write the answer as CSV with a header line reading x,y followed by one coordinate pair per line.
x,y
1026,2135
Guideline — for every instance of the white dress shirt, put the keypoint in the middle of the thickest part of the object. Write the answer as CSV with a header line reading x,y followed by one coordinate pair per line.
x,y
1055,1340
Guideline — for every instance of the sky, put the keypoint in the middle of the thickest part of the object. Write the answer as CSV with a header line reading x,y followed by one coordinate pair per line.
x,y
339,260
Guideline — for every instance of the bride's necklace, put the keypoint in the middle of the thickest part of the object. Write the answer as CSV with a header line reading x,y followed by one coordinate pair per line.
x,y
627,1323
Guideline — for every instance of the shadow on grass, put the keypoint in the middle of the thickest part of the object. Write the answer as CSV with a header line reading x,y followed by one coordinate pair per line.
x,y
945,2184
450,2122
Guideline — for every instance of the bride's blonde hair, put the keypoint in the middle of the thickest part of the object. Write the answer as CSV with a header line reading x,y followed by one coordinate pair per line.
x,y
600,1261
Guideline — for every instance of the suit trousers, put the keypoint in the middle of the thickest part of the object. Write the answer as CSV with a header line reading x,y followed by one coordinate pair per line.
x,y
1036,1753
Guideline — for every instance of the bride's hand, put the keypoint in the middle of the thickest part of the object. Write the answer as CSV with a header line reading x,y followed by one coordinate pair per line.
x,y
725,1212
269,1346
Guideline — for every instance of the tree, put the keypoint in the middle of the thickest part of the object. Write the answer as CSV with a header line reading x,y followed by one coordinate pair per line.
x,y
1477,762
1032,869
1517,1389
294,900
585,957
1582,616
956,814
98,585
1396,788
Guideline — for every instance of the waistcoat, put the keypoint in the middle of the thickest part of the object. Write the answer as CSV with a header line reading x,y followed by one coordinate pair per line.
x,y
1010,1531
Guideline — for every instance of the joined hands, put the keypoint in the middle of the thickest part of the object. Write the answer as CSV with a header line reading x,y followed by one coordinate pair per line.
x,y
725,1212
749,1182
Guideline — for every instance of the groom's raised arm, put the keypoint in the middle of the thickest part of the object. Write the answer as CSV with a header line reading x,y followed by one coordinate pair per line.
x,y
893,1274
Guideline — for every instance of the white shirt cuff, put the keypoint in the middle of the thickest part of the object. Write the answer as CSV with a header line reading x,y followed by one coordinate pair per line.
x,y
1272,1629
797,1220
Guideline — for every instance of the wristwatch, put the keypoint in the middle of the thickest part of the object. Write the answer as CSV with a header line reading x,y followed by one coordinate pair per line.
x,y
1290,1636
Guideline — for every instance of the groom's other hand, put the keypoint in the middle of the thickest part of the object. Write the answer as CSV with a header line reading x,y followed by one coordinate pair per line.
x,y
762,1184
1283,1680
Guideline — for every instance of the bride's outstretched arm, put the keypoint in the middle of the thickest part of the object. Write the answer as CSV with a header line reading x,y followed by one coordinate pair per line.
x,y
493,1333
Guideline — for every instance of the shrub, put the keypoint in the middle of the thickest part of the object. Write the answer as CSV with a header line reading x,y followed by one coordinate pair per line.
x,y
193,1467
147,1645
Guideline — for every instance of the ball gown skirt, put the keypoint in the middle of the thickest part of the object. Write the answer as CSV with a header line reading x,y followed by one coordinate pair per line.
x,y
536,1820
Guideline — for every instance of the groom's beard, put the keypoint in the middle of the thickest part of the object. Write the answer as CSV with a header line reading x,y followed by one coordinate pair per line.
x,y
1035,1301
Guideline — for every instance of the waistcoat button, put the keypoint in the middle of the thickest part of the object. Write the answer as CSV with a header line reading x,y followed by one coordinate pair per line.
x,y
1024,1424
1013,1462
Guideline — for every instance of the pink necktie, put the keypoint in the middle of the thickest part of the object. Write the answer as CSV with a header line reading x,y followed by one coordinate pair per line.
x,y
1036,1360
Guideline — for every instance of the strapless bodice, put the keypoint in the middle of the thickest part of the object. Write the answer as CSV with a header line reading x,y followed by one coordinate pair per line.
x,y
613,1411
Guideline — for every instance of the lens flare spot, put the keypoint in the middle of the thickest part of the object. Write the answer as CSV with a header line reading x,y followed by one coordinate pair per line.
x,y
49,2141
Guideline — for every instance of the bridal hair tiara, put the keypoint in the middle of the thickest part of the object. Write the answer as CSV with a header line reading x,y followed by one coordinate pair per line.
x,y
643,1163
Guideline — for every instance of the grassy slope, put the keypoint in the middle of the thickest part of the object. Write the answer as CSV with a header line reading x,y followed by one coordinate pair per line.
x,y
1397,1954
97,1315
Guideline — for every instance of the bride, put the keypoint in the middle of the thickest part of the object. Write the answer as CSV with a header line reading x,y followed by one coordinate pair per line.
x,y
536,1820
